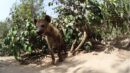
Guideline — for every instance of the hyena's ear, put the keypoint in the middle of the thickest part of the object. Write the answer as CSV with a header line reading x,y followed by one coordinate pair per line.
x,y
35,21
47,18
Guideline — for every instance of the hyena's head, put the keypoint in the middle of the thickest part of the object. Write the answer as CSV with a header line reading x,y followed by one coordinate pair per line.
x,y
42,24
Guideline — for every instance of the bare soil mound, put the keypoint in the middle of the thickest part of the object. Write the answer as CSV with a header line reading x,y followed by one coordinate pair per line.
x,y
118,61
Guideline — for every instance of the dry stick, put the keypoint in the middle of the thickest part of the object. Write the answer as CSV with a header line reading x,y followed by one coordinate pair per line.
x,y
73,46
81,43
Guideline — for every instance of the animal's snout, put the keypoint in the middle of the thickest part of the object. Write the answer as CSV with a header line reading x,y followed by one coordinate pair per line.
x,y
39,32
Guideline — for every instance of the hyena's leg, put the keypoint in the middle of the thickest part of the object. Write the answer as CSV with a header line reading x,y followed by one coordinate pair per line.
x,y
60,56
52,56
65,52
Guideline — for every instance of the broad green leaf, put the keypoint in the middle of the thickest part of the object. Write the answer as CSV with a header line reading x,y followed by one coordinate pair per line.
x,y
14,32
29,49
25,47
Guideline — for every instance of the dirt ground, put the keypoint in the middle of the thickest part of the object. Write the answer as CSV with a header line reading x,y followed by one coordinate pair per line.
x,y
116,62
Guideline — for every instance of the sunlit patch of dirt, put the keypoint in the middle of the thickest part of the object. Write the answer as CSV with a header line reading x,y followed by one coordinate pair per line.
x,y
118,61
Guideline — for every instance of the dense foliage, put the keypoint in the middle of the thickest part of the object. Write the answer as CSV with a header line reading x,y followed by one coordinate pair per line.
x,y
22,37
108,18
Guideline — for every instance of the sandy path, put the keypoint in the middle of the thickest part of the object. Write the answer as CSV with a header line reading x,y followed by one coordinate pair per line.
x,y
116,62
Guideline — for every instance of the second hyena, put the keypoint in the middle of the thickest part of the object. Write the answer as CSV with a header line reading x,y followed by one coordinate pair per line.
x,y
52,35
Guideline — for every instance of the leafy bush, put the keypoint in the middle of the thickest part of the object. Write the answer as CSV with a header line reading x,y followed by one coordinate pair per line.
x,y
108,19
21,42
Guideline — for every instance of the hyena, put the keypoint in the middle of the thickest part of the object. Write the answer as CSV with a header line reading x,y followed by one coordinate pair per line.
x,y
53,37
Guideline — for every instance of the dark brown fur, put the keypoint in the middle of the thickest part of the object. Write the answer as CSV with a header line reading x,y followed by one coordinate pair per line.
x,y
52,35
